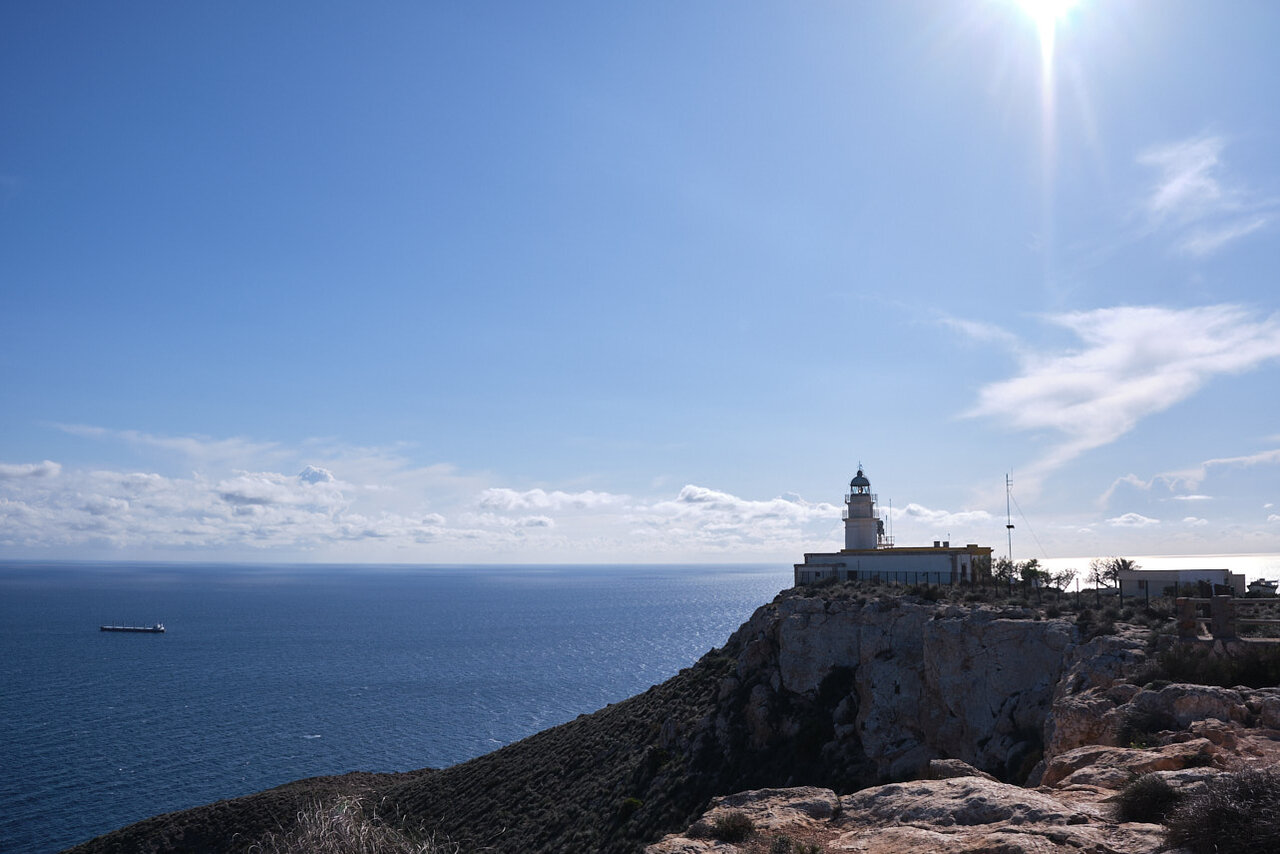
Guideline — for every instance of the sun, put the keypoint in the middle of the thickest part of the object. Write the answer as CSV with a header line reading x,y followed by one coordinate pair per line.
x,y
1047,14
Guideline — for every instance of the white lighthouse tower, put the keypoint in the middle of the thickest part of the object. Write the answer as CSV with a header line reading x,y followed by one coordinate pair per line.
x,y
862,527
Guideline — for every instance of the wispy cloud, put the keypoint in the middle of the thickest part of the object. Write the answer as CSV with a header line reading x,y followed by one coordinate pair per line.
x,y
940,519
1132,520
1132,363
1193,202
501,498
195,450
1192,476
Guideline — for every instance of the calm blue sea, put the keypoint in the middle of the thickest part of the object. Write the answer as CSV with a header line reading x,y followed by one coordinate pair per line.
x,y
270,673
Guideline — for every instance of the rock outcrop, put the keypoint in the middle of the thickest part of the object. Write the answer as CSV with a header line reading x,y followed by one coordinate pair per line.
x,y
1100,733
969,814
925,681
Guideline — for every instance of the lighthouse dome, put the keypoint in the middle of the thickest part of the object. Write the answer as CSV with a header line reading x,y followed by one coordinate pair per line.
x,y
859,480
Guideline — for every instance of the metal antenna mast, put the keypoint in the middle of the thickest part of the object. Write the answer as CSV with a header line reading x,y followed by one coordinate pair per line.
x,y
1008,517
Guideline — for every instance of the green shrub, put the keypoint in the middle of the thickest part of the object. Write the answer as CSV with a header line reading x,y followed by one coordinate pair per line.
x,y
1237,813
1146,798
628,808
733,826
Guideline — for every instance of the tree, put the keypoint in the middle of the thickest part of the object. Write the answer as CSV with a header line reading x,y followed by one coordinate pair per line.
x,y
1031,573
1106,570
1062,579
1003,570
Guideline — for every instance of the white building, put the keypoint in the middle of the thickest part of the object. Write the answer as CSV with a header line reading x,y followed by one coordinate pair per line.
x,y
1150,583
869,554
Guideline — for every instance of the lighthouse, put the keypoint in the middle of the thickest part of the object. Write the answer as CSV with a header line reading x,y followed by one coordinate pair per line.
x,y
869,555
862,527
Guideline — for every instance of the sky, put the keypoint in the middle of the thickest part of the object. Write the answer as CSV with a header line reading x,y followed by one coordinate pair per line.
x,y
636,282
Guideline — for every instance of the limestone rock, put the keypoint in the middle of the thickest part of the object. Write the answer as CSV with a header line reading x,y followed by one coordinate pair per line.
x,y
946,769
1113,767
969,814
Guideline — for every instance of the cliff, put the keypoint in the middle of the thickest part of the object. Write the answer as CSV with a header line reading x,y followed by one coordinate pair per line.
x,y
831,691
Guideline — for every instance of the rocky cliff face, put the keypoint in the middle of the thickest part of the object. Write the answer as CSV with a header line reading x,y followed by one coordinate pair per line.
x,y
975,688
911,681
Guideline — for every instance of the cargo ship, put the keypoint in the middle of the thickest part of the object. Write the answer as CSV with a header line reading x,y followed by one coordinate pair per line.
x,y
157,629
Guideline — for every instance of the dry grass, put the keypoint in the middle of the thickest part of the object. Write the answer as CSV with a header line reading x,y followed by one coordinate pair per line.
x,y
341,826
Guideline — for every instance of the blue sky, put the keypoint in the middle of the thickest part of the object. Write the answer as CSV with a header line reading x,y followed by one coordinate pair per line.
x,y
440,282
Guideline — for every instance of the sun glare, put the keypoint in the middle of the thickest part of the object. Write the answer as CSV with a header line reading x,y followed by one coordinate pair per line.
x,y
1046,13
1047,16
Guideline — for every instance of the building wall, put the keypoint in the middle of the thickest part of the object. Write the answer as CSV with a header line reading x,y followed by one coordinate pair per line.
x,y
1153,582
903,566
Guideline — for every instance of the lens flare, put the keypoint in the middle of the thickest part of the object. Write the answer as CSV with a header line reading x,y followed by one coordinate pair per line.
x,y
1047,15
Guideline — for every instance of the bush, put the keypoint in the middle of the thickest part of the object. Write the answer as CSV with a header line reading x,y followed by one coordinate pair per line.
x,y
786,845
1259,667
1237,813
342,827
628,808
1146,798
733,826
1138,728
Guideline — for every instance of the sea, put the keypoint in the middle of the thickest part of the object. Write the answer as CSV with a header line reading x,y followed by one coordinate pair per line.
x,y
267,674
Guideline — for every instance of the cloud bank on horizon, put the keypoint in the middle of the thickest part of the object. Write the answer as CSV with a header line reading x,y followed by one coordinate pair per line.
x,y
626,292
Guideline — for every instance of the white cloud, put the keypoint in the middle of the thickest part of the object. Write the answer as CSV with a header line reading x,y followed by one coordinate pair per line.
x,y
1133,520
389,510
315,474
1194,521
938,519
1193,202
982,331
503,499
1188,186
45,468
1209,239
1273,518
1134,362
195,450
1194,476
701,503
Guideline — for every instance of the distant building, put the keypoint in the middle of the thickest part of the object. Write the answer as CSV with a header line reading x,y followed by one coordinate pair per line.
x,y
869,554
1148,583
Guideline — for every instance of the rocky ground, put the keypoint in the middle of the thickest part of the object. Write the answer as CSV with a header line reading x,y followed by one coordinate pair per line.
x,y
1102,733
